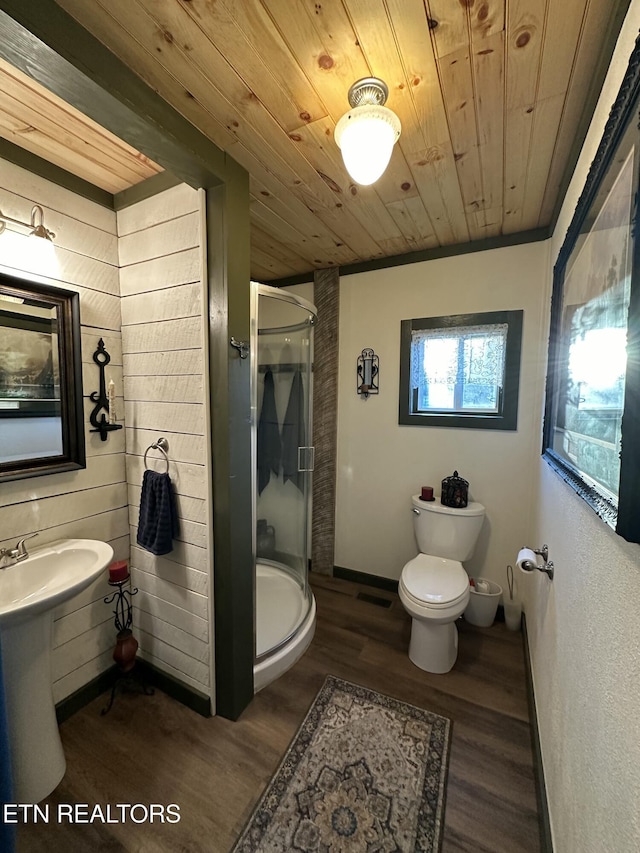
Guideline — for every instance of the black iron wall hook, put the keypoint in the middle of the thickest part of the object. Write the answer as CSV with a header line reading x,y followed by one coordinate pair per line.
x,y
101,425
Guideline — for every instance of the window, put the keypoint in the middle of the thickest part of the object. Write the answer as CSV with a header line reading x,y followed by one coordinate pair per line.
x,y
592,412
461,371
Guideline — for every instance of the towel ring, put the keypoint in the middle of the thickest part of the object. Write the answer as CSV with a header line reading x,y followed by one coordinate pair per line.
x,y
162,445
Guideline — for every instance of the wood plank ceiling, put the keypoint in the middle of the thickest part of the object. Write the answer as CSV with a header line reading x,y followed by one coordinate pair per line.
x,y
42,123
489,92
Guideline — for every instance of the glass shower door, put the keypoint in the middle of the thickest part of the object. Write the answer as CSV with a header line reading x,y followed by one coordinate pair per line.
x,y
284,462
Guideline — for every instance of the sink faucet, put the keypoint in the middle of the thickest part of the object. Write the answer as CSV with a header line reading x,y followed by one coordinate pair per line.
x,y
11,556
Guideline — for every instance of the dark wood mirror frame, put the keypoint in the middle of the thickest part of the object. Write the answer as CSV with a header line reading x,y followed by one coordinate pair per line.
x,y
67,307
622,125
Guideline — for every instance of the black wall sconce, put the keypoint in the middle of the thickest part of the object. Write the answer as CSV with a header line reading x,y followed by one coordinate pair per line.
x,y
368,369
104,398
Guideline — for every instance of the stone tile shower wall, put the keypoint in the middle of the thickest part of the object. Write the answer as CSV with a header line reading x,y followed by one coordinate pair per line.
x,y
161,286
90,503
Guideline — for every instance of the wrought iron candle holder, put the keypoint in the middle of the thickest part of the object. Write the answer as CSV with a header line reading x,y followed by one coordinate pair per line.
x,y
123,615
124,653
104,424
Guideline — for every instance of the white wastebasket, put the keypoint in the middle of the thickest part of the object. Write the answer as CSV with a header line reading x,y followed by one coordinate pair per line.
x,y
482,606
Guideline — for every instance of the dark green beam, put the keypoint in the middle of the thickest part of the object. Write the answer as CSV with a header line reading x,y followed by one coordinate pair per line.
x,y
45,42
228,246
145,189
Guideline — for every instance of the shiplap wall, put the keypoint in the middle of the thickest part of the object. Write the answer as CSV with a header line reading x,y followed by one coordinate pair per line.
x,y
90,503
160,249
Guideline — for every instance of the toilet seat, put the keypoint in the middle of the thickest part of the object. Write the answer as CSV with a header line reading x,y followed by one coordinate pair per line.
x,y
434,582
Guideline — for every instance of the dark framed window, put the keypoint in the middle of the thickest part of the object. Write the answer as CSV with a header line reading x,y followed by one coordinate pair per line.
x,y
461,370
592,411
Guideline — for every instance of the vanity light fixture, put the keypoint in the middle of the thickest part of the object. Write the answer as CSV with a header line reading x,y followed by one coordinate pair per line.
x,y
36,226
367,133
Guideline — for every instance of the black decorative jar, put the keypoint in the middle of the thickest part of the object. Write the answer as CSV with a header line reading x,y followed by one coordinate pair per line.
x,y
455,491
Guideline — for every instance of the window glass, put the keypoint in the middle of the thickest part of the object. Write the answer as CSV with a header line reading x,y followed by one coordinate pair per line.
x,y
458,370
461,370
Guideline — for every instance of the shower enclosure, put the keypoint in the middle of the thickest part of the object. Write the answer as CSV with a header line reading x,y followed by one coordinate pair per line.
x,y
282,357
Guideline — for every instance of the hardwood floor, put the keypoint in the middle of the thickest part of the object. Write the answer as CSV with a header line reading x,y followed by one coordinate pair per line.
x,y
154,750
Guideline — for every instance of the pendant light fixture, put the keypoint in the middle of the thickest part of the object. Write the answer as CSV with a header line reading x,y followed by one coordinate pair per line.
x,y
367,133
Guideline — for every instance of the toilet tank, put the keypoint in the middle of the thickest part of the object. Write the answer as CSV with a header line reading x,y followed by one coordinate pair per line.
x,y
445,531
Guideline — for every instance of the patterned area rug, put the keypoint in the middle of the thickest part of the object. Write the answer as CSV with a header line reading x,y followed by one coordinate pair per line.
x,y
364,773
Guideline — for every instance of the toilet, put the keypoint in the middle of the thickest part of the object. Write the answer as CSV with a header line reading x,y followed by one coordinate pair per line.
x,y
434,587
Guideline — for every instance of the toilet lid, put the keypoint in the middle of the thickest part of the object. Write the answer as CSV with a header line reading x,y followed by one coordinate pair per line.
x,y
435,580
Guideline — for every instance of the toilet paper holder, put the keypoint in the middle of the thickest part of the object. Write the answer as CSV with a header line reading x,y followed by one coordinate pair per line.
x,y
547,567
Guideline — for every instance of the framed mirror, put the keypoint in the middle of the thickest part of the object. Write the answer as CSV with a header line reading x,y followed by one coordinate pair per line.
x,y
41,410
592,415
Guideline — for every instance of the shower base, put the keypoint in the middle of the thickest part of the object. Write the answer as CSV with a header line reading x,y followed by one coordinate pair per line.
x,y
285,622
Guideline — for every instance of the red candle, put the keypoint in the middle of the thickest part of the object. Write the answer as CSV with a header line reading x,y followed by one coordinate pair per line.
x,y
118,572
427,493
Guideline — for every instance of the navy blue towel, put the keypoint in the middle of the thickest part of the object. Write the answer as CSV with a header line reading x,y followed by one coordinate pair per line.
x,y
158,520
7,830
269,445
294,433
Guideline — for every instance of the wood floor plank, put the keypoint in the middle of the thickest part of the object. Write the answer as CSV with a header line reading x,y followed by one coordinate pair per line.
x,y
154,750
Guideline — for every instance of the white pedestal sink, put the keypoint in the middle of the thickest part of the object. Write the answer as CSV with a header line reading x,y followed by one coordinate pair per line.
x,y
29,593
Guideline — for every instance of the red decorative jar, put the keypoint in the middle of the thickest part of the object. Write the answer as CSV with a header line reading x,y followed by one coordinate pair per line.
x,y
124,653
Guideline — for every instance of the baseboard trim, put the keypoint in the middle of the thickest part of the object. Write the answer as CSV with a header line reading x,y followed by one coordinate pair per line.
x,y
69,706
383,583
546,843
365,578
193,699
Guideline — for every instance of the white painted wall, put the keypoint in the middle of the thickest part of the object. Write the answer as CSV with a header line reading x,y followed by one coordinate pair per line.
x,y
90,503
381,464
584,628
163,316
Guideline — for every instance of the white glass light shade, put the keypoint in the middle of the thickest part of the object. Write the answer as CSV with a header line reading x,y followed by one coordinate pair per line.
x,y
366,136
